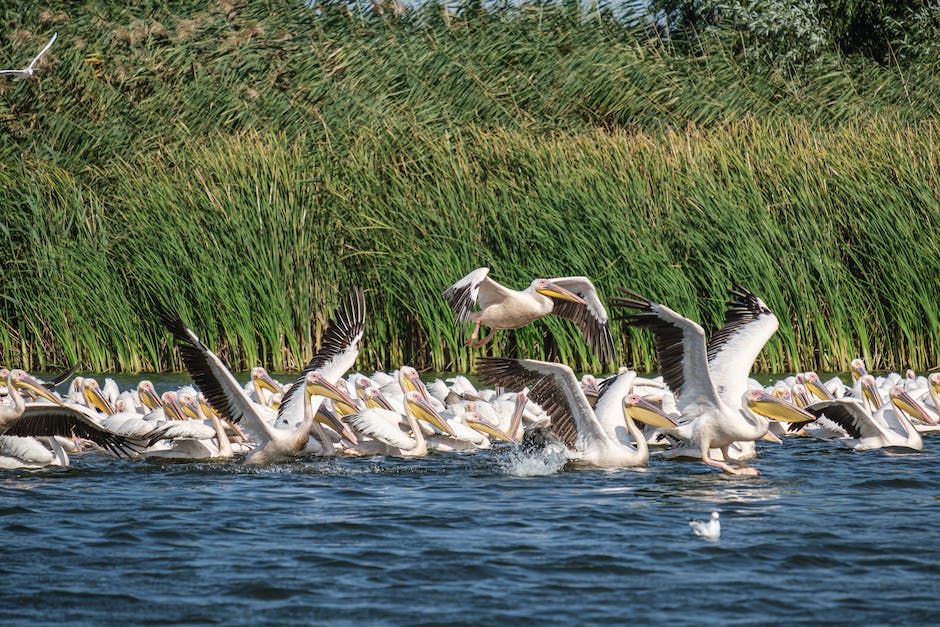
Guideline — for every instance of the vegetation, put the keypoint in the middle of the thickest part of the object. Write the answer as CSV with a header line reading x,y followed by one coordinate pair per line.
x,y
245,163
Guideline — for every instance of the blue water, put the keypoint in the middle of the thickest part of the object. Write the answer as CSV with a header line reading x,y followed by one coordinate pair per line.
x,y
825,535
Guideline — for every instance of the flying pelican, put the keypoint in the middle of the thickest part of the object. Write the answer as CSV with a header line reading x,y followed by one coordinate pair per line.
x,y
340,344
29,70
706,419
571,297
596,435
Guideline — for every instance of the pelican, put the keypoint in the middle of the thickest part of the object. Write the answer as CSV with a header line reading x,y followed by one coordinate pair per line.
x,y
389,438
888,427
29,70
340,344
572,297
596,435
706,419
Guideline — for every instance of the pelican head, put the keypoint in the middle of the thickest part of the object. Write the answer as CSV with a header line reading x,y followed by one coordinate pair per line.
x,y
22,380
263,381
172,407
772,408
870,392
814,385
190,405
906,403
858,369
548,288
94,397
641,410
410,381
933,381
148,395
316,384
420,408
799,396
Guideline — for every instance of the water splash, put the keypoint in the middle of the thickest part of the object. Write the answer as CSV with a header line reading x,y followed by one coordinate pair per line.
x,y
547,461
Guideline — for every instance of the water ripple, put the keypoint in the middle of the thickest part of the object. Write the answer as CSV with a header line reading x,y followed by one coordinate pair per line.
x,y
825,535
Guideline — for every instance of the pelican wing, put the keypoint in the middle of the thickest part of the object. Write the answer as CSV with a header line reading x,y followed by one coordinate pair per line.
x,y
733,348
554,387
214,379
46,419
591,317
680,348
462,296
62,378
848,414
339,348
382,425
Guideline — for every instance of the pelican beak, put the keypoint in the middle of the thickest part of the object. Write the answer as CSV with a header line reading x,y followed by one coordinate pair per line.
x,y
328,418
149,398
321,387
34,385
171,405
420,408
377,399
191,410
903,401
769,406
553,290
770,437
814,385
487,429
94,396
343,408
870,392
263,381
641,410
206,408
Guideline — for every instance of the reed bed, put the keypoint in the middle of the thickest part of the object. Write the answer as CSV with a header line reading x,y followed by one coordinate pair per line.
x,y
245,163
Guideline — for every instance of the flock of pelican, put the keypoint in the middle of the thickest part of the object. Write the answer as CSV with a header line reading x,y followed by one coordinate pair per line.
x,y
704,405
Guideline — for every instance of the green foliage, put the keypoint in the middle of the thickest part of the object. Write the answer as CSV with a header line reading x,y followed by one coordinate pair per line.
x,y
246,163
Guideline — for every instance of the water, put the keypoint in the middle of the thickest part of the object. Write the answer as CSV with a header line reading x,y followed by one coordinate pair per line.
x,y
826,535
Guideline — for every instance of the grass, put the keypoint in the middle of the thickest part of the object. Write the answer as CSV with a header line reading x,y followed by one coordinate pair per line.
x,y
244,163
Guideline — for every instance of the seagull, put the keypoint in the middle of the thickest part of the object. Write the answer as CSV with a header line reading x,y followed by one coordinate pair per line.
x,y
708,529
28,71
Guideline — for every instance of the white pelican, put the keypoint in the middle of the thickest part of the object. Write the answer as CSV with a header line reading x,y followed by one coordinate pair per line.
x,y
597,436
226,396
888,427
29,70
709,529
386,429
706,419
572,297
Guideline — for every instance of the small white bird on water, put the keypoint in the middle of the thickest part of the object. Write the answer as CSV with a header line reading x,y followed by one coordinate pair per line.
x,y
29,70
708,529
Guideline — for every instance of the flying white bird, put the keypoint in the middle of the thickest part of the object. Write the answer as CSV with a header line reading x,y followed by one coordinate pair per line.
x,y
28,71
708,529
